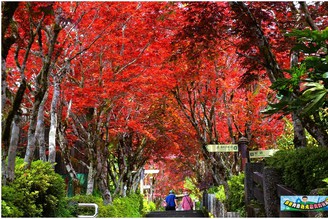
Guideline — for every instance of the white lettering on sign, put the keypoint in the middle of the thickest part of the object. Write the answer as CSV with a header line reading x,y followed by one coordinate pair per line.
x,y
222,148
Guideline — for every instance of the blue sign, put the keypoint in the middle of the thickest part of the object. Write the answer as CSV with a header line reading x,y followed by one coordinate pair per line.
x,y
304,203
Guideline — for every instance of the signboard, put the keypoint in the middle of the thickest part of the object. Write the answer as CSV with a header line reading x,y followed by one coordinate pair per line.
x,y
151,171
303,203
222,147
262,153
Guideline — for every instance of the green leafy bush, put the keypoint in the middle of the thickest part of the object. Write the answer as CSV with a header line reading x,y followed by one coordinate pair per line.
x,y
236,194
72,209
35,192
130,206
148,207
218,191
8,209
302,169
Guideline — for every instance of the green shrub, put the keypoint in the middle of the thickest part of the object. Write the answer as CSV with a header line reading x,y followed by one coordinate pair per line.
x,y
35,192
130,206
301,169
148,207
72,205
236,194
9,210
218,191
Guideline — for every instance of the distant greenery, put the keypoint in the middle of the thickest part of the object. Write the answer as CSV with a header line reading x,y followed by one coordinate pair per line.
x,y
303,169
35,192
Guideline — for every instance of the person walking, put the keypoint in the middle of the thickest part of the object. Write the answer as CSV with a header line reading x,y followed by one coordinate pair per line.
x,y
171,202
186,203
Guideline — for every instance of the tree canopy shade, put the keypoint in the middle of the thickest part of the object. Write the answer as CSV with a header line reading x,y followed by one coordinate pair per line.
x,y
115,87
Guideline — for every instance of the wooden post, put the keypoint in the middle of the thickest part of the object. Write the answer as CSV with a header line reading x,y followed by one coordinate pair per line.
x,y
242,148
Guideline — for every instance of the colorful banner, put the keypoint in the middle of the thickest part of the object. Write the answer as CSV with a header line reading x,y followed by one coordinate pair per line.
x,y
304,203
222,147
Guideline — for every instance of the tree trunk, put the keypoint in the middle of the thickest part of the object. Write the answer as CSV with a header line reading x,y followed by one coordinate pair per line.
x,y
13,148
102,172
53,123
91,179
31,136
15,109
39,133
299,133
8,9
103,187
41,88
31,140
319,133
21,90
63,146
102,178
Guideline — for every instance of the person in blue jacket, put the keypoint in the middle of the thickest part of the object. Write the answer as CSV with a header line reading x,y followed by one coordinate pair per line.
x,y
171,202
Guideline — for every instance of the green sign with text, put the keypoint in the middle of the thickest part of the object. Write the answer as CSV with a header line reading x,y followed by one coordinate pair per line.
x,y
222,148
262,153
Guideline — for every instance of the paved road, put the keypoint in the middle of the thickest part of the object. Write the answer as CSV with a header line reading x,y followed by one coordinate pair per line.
x,y
176,214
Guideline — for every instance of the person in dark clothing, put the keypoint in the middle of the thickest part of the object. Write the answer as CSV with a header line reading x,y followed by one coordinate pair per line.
x,y
171,201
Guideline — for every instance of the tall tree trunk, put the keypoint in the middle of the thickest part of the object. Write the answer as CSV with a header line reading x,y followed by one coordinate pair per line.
x,y
63,147
21,90
31,140
299,133
53,123
318,132
102,172
40,131
91,179
274,72
3,84
8,9
63,144
6,132
13,148
31,136
41,89
103,187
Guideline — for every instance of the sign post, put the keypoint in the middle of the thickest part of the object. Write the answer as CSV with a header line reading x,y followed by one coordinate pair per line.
x,y
242,146
222,148
262,153
143,175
